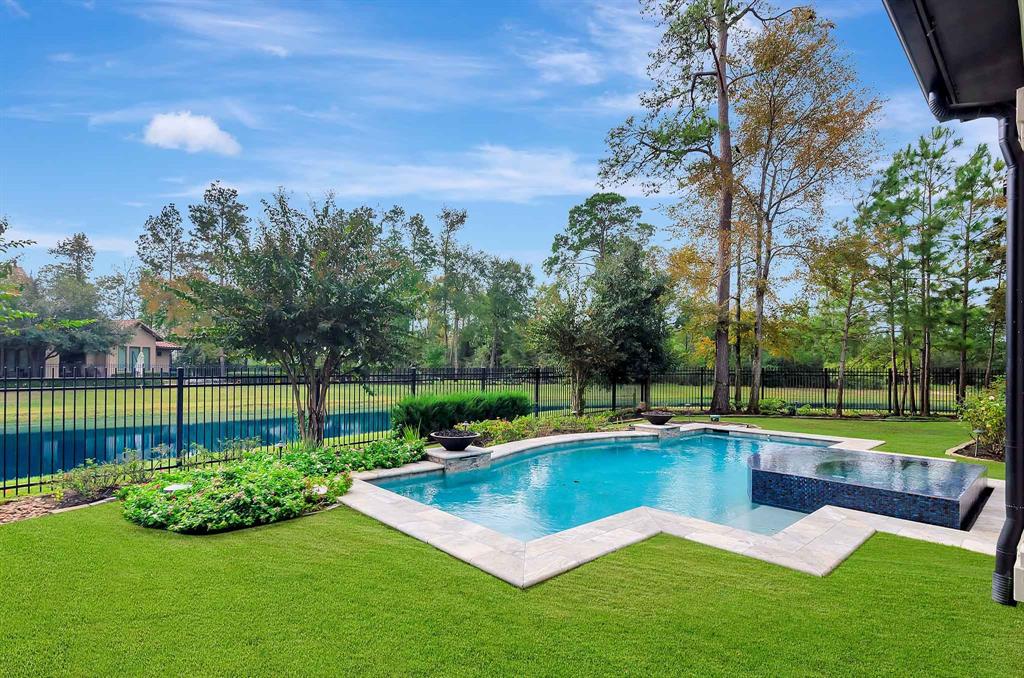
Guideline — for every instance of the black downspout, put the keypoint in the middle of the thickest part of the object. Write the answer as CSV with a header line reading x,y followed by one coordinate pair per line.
x,y
1009,538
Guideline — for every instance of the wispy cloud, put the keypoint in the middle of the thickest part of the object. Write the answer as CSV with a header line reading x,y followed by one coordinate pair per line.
x,y
486,172
191,133
14,8
578,67
44,239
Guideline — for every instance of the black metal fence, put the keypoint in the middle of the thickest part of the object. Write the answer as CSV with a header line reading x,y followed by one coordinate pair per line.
x,y
55,421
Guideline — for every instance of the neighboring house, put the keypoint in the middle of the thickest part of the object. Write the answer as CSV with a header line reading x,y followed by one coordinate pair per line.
x,y
145,348
145,343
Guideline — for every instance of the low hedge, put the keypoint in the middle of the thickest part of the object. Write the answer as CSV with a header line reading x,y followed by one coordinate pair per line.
x,y
434,412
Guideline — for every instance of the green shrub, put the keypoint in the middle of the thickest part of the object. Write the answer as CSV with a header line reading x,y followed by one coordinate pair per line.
x,y
389,453
325,461
434,412
258,489
499,431
772,405
809,411
985,413
93,481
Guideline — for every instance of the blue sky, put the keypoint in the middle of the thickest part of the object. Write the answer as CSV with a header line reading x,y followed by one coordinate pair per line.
x,y
109,110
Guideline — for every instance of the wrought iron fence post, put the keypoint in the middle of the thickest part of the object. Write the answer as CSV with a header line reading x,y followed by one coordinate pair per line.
x,y
412,382
483,378
824,383
536,391
179,440
614,403
701,396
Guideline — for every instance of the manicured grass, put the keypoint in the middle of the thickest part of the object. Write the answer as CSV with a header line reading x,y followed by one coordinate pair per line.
x,y
929,438
86,593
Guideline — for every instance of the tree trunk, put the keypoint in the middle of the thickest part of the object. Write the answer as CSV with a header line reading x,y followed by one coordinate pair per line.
x,y
493,361
754,404
577,391
841,380
720,395
738,393
965,298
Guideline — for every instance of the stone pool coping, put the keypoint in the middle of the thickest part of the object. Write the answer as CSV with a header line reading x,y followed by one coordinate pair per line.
x,y
815,544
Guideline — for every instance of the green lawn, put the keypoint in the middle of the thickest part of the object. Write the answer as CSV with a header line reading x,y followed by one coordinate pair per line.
x,y
86,593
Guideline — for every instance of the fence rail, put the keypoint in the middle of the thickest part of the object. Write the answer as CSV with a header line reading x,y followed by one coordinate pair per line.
x,y
54,421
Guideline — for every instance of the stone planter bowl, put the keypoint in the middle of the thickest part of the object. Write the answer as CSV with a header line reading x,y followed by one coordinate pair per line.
x,y
455,443
657,418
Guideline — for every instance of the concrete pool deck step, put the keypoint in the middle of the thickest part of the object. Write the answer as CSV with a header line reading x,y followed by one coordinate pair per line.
x,y
815,544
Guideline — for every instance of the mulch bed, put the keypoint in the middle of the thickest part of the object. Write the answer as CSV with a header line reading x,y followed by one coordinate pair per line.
x,y
42,504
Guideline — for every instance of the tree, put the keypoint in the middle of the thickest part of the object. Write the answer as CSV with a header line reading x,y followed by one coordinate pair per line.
x,y
976,202
323,293
630,303
119,292
567,333
505,304
931,175
839,270
10,289
78,256
217,224
163,248
804,130
595,229
686,129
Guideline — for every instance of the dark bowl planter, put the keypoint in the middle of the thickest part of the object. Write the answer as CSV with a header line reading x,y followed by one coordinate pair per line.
x,y
657,418
455,443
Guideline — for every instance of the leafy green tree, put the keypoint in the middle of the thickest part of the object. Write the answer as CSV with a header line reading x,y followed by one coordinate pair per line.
x,y
323,293
838,271
630,303
76,258
217,224
163,247
595,229
567,333
10,289
504,306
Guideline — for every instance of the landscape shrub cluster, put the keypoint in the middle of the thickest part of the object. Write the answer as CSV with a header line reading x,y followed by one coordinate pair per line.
x,y
263,486
985,413
427,413
260,488
498,431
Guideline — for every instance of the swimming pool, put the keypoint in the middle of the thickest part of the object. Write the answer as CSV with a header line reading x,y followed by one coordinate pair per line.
x,y
531,495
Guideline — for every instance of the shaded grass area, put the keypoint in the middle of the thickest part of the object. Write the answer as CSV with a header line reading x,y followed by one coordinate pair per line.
x,y
929,438
86,593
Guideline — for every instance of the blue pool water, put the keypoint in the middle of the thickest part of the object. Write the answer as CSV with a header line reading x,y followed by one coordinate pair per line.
x,y
534,494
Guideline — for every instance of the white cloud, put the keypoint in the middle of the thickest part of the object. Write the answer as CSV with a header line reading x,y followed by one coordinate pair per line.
x,y
621,104
191,133
62,57
276,50
578,66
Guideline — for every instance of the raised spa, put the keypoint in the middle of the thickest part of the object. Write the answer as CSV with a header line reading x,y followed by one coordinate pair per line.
x,y
934,491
